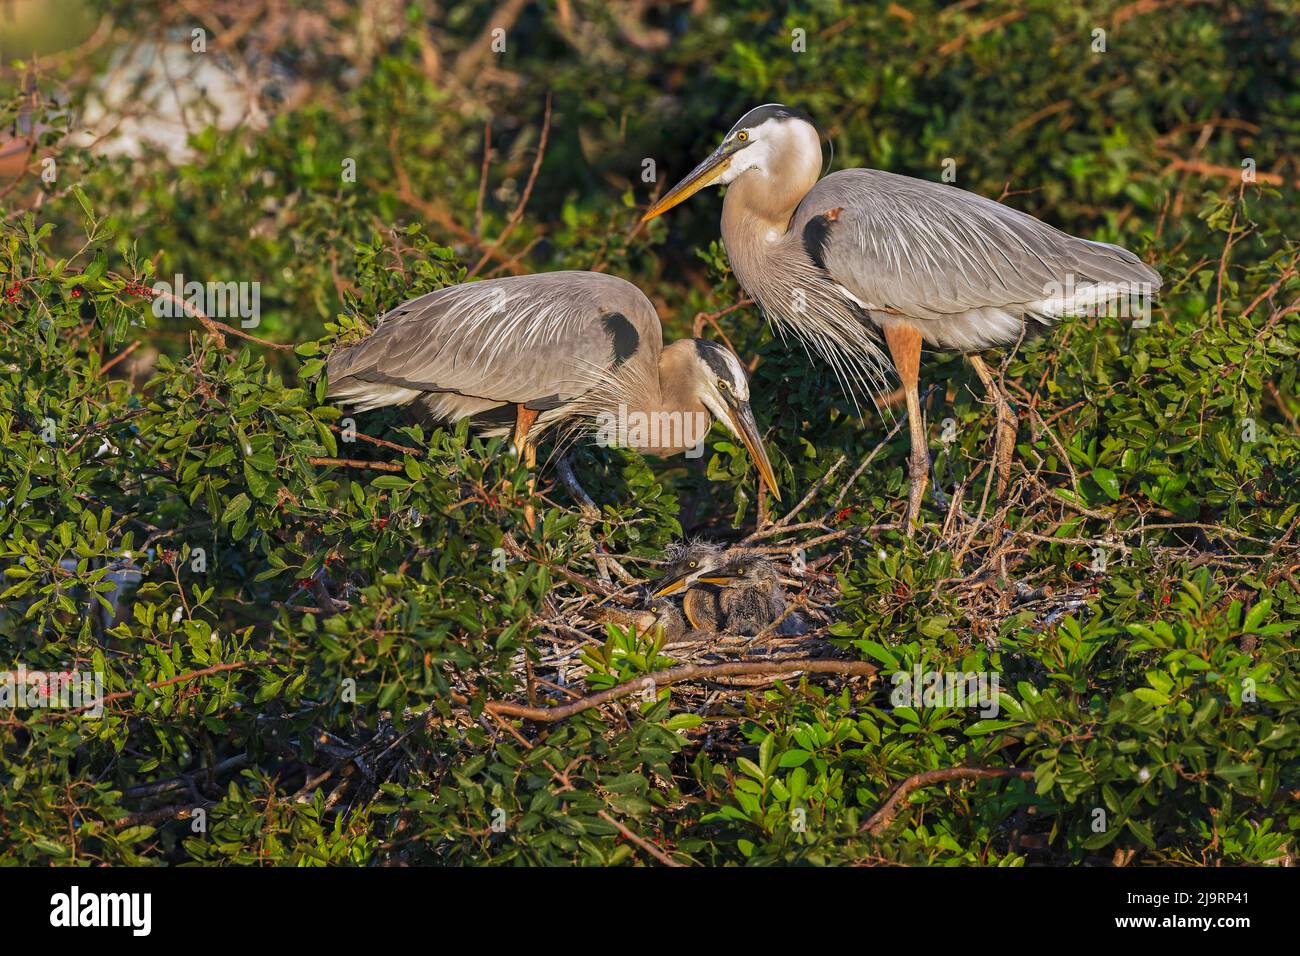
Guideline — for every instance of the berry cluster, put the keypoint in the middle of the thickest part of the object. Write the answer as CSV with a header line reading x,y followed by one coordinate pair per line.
x,y
13,292
139,289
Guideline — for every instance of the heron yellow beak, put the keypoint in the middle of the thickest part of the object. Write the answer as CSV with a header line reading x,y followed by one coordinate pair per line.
x,y
671,586
717,579
743,424
702,175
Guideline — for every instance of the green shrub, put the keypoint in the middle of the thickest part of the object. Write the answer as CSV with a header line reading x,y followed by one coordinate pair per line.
x,y
310,639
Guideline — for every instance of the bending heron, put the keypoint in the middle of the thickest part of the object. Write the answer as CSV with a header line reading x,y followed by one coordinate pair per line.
x,y
861,251
526,353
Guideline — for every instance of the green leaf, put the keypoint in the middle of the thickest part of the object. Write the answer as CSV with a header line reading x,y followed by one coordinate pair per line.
x,y
1108,482
236,508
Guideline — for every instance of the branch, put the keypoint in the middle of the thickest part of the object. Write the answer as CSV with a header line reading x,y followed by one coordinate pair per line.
x,y
185,780
355,463
711,318
1211,171
650,848
177,811
573,577
812,493
503,18
378,441
155,685
103,369
683,672
882,818
518,214
219,330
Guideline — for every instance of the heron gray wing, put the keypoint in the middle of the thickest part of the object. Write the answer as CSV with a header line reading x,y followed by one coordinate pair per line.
x,y
929,250
538,340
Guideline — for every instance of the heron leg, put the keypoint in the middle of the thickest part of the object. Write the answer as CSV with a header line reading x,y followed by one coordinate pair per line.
x,y
1004,442
904,343
527,450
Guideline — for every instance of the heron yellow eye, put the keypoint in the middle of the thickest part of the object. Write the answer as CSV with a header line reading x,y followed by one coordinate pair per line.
x,y
722,385
693,563
742,136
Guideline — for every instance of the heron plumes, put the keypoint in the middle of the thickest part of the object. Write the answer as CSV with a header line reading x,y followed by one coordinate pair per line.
x,y
797,297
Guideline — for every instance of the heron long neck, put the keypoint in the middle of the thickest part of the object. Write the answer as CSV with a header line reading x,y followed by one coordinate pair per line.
x,y
756,214
773,266
679,419
759,203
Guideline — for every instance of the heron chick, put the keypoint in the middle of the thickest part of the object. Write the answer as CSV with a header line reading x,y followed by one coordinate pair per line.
x,y
752,598
728,592
686,566
697,615
531,352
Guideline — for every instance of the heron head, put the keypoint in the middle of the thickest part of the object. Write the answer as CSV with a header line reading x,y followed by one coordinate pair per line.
x,y
745,571
771,138
686,563
719,382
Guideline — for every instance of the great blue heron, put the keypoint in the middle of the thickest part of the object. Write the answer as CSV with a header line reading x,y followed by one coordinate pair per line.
x,y
536,351
835,259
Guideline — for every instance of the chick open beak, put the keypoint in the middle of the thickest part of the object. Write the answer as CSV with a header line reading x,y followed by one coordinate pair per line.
x,y
702,175
743,424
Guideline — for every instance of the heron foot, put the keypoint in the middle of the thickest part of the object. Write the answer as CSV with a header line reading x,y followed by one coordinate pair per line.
x,y
919,476
1004,445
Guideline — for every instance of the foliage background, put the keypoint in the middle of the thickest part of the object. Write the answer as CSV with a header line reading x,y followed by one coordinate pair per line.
x,y
228,685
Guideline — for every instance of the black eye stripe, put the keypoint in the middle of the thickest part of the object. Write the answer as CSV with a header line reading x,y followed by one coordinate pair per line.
x,y
761,114
714,356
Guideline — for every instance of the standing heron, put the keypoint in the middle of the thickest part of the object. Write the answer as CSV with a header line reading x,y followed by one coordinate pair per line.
x,y
526,353
837,259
